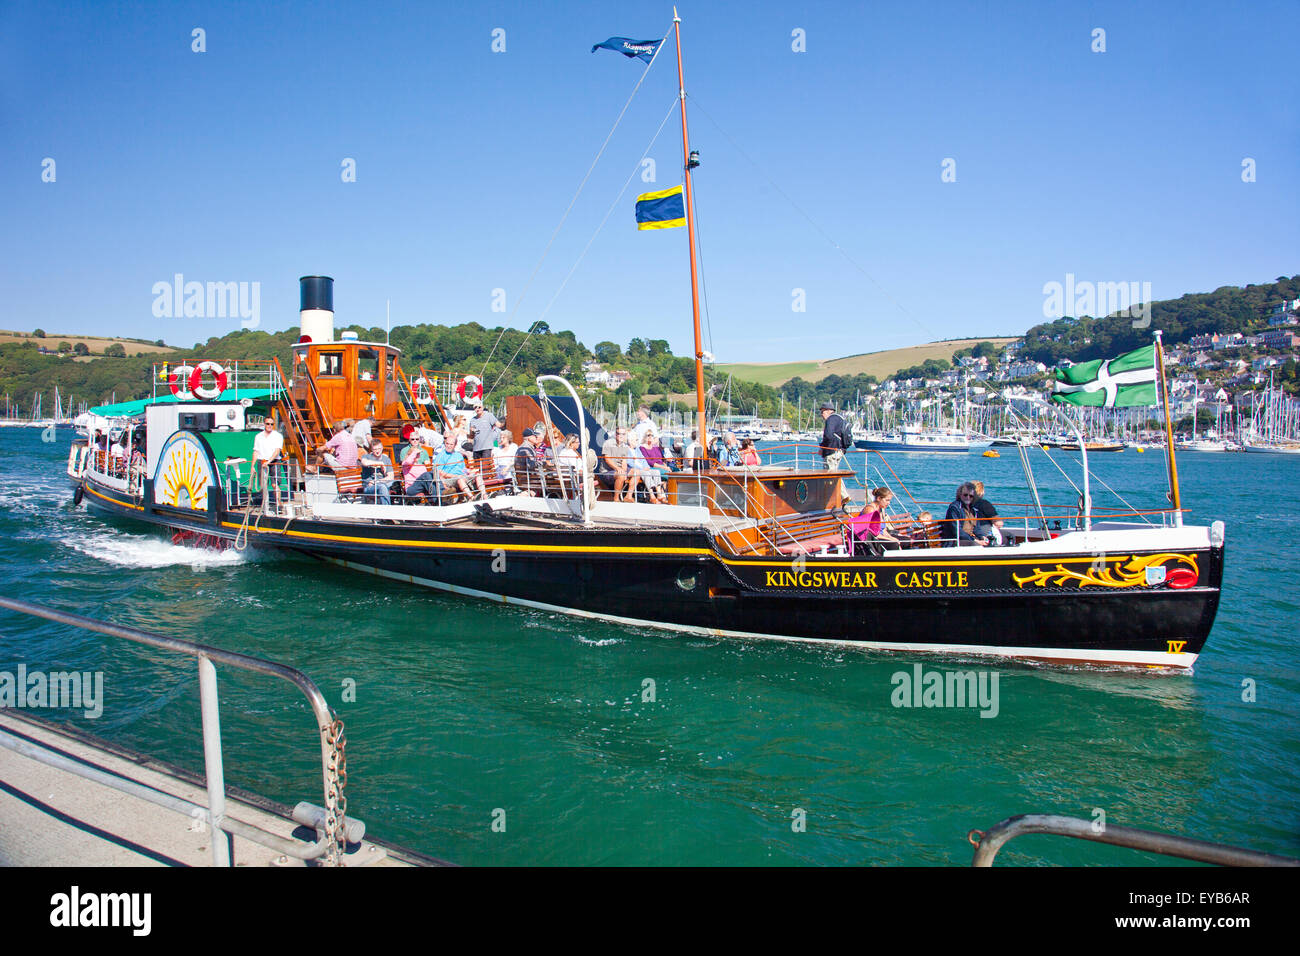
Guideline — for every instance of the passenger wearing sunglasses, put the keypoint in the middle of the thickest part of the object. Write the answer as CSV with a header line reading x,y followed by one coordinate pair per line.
x,y
959,522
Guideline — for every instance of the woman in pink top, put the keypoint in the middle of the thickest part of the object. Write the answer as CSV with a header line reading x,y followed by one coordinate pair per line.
x,y
869,525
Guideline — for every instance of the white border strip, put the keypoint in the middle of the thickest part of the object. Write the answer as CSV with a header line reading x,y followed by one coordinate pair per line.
x,y
1180,662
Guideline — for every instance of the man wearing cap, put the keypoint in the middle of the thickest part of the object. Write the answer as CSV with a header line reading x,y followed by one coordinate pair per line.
x,y
526,463
834,437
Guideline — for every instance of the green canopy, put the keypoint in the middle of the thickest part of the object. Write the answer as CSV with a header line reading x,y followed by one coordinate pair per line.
x,y
131,409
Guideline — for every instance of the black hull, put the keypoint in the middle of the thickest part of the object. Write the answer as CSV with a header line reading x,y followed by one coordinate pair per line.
x,y
966,606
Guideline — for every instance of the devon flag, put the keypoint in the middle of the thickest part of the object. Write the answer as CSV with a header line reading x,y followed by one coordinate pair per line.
x,y
643,50
1120,382
661,210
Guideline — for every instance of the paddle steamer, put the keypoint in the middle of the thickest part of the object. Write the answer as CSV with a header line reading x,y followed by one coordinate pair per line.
x,y
747,552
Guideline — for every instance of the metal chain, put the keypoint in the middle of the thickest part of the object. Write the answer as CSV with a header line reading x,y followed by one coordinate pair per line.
x,y
336,801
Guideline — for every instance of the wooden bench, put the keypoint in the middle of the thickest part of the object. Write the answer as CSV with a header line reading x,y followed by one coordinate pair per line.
x,y
802,533
544,481
486,469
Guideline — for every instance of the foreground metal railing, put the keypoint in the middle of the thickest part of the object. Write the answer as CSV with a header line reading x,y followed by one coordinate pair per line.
x,y
987,844
334,830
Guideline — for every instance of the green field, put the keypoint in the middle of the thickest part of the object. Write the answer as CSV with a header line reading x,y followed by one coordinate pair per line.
x,y
771,374
880,364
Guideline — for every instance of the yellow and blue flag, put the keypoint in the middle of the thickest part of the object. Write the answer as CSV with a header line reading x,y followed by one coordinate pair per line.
x,y
664,209
643,50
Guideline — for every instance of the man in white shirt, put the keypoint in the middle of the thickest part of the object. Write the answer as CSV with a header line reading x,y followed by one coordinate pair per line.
x,y
361,432
643,425
429,436
267,447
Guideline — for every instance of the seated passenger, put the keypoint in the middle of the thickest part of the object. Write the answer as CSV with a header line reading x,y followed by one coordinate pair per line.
x,y
341,450
749,454
646,472
618,456
959,522
528,462
726,451
869,526
449,465
503,457
570,457
417,480
377,474
987,523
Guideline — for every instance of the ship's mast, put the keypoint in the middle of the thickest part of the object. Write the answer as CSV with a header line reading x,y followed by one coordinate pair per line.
x,y
687,166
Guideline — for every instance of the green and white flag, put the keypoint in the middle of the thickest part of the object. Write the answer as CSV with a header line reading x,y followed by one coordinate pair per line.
x,y
1125,381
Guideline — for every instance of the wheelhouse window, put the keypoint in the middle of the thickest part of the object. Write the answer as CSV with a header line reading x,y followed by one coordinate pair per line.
x,y
368,365
331,363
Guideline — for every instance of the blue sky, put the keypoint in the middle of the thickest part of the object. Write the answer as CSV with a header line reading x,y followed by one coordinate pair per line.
x,y
225,165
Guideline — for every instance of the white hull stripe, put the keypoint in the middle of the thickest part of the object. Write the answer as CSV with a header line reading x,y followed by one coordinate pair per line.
x,y
1057,654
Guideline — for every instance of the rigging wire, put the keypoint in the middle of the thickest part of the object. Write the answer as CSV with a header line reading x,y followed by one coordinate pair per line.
x,y
560,225
609,212
824,234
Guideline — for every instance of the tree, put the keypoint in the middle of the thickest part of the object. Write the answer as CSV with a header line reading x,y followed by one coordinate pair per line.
x,y
116,350
637,349
39,333
65,347
160,343
659,347
80,349
607,352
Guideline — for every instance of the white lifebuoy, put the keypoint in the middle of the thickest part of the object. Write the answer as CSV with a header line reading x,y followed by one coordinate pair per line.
x,y
422,395
178,379
196,380
471,384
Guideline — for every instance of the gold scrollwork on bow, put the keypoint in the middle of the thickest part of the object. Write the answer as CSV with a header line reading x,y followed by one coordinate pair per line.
x,y
1120,574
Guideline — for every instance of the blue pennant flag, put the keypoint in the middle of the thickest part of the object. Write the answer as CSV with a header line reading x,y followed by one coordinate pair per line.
x,y
643,50
661,210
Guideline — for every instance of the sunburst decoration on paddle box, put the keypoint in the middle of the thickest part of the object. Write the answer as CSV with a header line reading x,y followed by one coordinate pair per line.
x,y
184,475
1138,570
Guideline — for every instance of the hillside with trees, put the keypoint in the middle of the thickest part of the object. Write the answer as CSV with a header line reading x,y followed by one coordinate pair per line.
x,y
509,360
1226,309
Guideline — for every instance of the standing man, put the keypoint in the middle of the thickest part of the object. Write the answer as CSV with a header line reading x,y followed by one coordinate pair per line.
x,y
836,437
643,425
267,447
694,458
483,429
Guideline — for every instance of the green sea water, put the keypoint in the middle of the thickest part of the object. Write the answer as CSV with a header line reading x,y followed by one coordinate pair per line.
x,y
749,753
